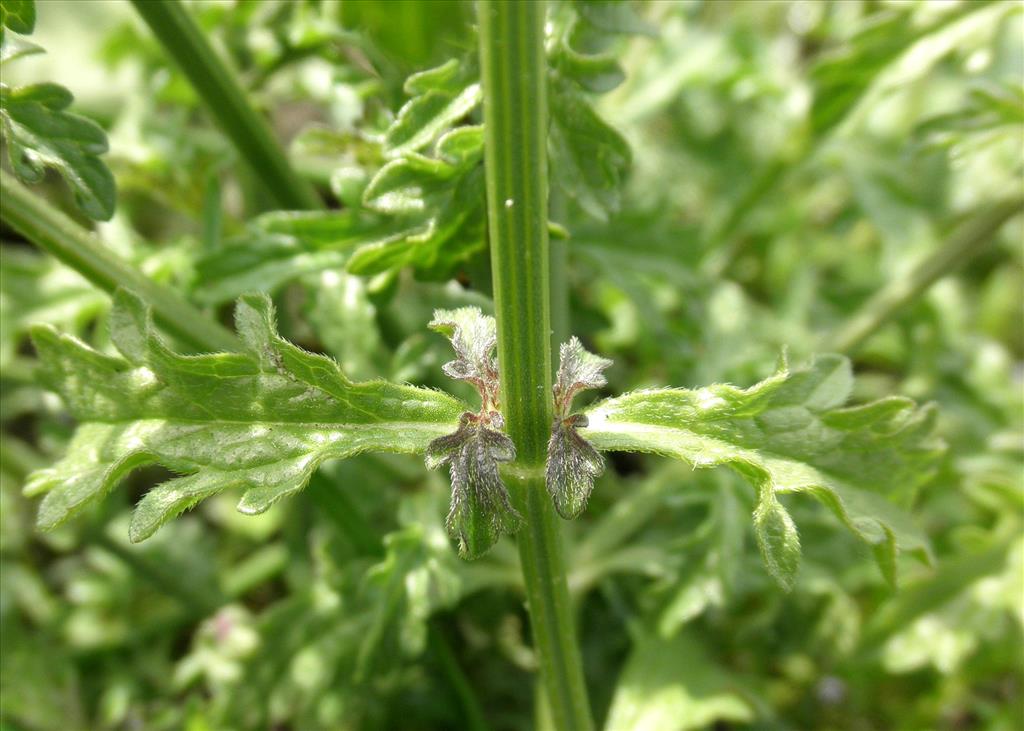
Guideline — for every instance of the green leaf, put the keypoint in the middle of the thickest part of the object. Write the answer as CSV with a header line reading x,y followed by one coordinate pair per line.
x,y
446,77
578,37
281,246
40,134
842,76
443,96
18,15
451,233
418,576
420,211
672,685
589,158
37,288
777,538
597,73
13,48
407,185
342,315
613,16
790,434
262,420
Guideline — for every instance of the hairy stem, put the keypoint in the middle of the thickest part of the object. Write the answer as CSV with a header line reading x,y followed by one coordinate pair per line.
x,y
55,233
966,241
515,155
227,102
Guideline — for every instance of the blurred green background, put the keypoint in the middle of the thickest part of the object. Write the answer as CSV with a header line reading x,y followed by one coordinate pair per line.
x,y
789,161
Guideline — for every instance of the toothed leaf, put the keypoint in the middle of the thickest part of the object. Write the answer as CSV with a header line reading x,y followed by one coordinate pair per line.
x,y
790,434
40,134
261,420
442,96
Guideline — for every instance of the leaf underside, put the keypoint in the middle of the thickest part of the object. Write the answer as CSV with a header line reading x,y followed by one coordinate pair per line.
x,y
261,420
791,434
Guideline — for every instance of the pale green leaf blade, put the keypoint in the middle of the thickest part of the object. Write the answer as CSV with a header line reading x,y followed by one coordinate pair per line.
x,y
778,540
261,420
14,48
789,434
672,685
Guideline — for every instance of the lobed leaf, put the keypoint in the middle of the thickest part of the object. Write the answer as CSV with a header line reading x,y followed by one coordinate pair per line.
x,y
453,230
261,420
442,96
406,185
41,134
790,433
282,246
589,158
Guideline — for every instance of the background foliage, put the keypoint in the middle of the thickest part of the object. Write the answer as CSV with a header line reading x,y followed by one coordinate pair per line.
x,y
759,173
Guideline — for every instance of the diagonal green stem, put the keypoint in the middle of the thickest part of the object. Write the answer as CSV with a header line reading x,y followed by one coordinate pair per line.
x,y
227,102
515,155
52,231
722,246
968,240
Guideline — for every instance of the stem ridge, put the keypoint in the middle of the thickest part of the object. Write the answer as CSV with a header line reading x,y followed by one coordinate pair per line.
x,y
514,76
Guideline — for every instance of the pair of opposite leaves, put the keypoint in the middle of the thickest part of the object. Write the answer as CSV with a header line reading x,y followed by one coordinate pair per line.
x,y
264,418
480,509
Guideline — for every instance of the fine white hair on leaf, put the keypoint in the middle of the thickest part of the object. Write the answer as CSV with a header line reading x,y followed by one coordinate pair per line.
x,y
573,464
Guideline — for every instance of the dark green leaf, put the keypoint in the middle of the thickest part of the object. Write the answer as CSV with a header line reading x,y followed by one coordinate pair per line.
x,y
588,158
40,134
18,15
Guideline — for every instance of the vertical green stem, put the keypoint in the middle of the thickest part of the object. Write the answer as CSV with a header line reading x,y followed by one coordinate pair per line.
x,y
227,102
515,112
